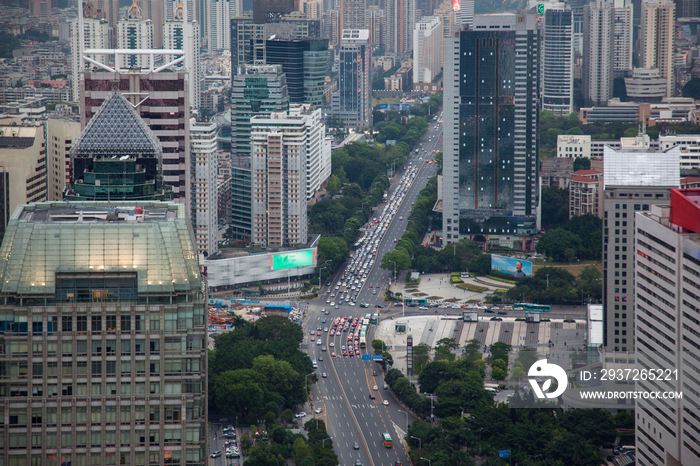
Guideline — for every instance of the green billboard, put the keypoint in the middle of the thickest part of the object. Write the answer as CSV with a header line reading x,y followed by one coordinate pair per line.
x,y
292,259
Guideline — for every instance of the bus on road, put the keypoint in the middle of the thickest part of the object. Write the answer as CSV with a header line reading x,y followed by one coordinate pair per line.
x,y
387,441
375,319
527,307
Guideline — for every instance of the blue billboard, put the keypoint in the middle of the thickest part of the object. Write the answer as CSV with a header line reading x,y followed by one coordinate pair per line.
x,y
518,268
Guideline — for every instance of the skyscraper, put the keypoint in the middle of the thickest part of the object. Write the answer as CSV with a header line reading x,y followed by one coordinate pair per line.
x,y
558,61
203,138
278,180
135,32
117,156
634,179
490,133
427,42
623,28
656,39
304,63
352,102
352,14
22,168
598,51
256,90
115,315
173,33
375,22
667,289
96,35
220,14
395,26
61,134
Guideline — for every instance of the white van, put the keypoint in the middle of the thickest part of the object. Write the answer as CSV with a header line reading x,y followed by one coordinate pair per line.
x,y
314,364
491,390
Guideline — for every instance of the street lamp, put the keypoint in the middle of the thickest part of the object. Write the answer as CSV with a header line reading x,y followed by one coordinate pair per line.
x,y
323,443
406,413
319,276
430,463
420,442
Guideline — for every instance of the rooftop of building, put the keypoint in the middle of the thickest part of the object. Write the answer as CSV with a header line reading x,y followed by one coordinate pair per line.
x,y
150,238
587,172
17,137
583,179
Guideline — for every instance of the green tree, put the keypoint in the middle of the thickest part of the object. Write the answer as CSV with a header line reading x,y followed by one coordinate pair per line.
x,y
526,358
555,207
555,242
421,356
498,364
518,373
569,254
581,163
299,450
287,416
398,258
333,185
352,190
692,89
238,392
378,346
498,374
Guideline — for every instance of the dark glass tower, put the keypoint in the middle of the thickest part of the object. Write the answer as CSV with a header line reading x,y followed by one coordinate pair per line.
x,y
490,133
304,64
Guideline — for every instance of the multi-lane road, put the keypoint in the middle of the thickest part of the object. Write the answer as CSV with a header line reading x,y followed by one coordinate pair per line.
x,y
353,419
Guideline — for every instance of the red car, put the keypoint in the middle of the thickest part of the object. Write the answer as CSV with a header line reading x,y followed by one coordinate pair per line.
x,y
357,352
345,353
332,355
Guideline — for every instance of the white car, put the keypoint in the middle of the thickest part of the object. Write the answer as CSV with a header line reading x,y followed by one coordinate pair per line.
x,y
300,415
318,342
386,402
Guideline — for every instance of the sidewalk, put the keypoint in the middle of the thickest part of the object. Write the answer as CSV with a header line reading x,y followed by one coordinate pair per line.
x,y
439,285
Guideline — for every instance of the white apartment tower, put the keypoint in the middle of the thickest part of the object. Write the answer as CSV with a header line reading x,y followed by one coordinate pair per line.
x,y
557,61
220,13
598,51
656,39
135,32
622,55
278,180
318,149
667,308
173,32
203,140
427,44
353,14
96,34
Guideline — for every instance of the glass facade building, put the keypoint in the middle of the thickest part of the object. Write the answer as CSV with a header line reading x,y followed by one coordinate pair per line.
x,y
117,156
304,63
257,90
490,136
102,325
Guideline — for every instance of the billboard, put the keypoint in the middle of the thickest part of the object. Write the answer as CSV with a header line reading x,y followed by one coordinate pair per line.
x,y
455,5
469,316
518,268
292,259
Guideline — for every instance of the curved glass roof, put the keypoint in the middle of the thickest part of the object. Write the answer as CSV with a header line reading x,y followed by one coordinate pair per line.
x,y
44,239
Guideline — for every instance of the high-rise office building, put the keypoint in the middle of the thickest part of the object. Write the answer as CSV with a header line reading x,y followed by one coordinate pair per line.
x,y
331,27
135,32
688,9
352,102
278,180
22,168
249,39
117,289
162,100
61,134
352,14
117,156
96,35
427,42
375,22
256,90
623,31
667,291
304,63
312,9
205,221
465,14
558,61
634,179
598,51
173,38
656,39
395,26
490,135
157,11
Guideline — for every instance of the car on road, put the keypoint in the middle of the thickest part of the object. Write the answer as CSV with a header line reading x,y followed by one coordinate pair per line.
x,y
325,329
337,307
356,446
332,303
216,454
300,415
488,311
394,240
324,375
318,342
319,410
331,344
375,388
332,355
324,319
423,308
372,397
386,402
323,348
326,311
400,218
358,463
501,313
